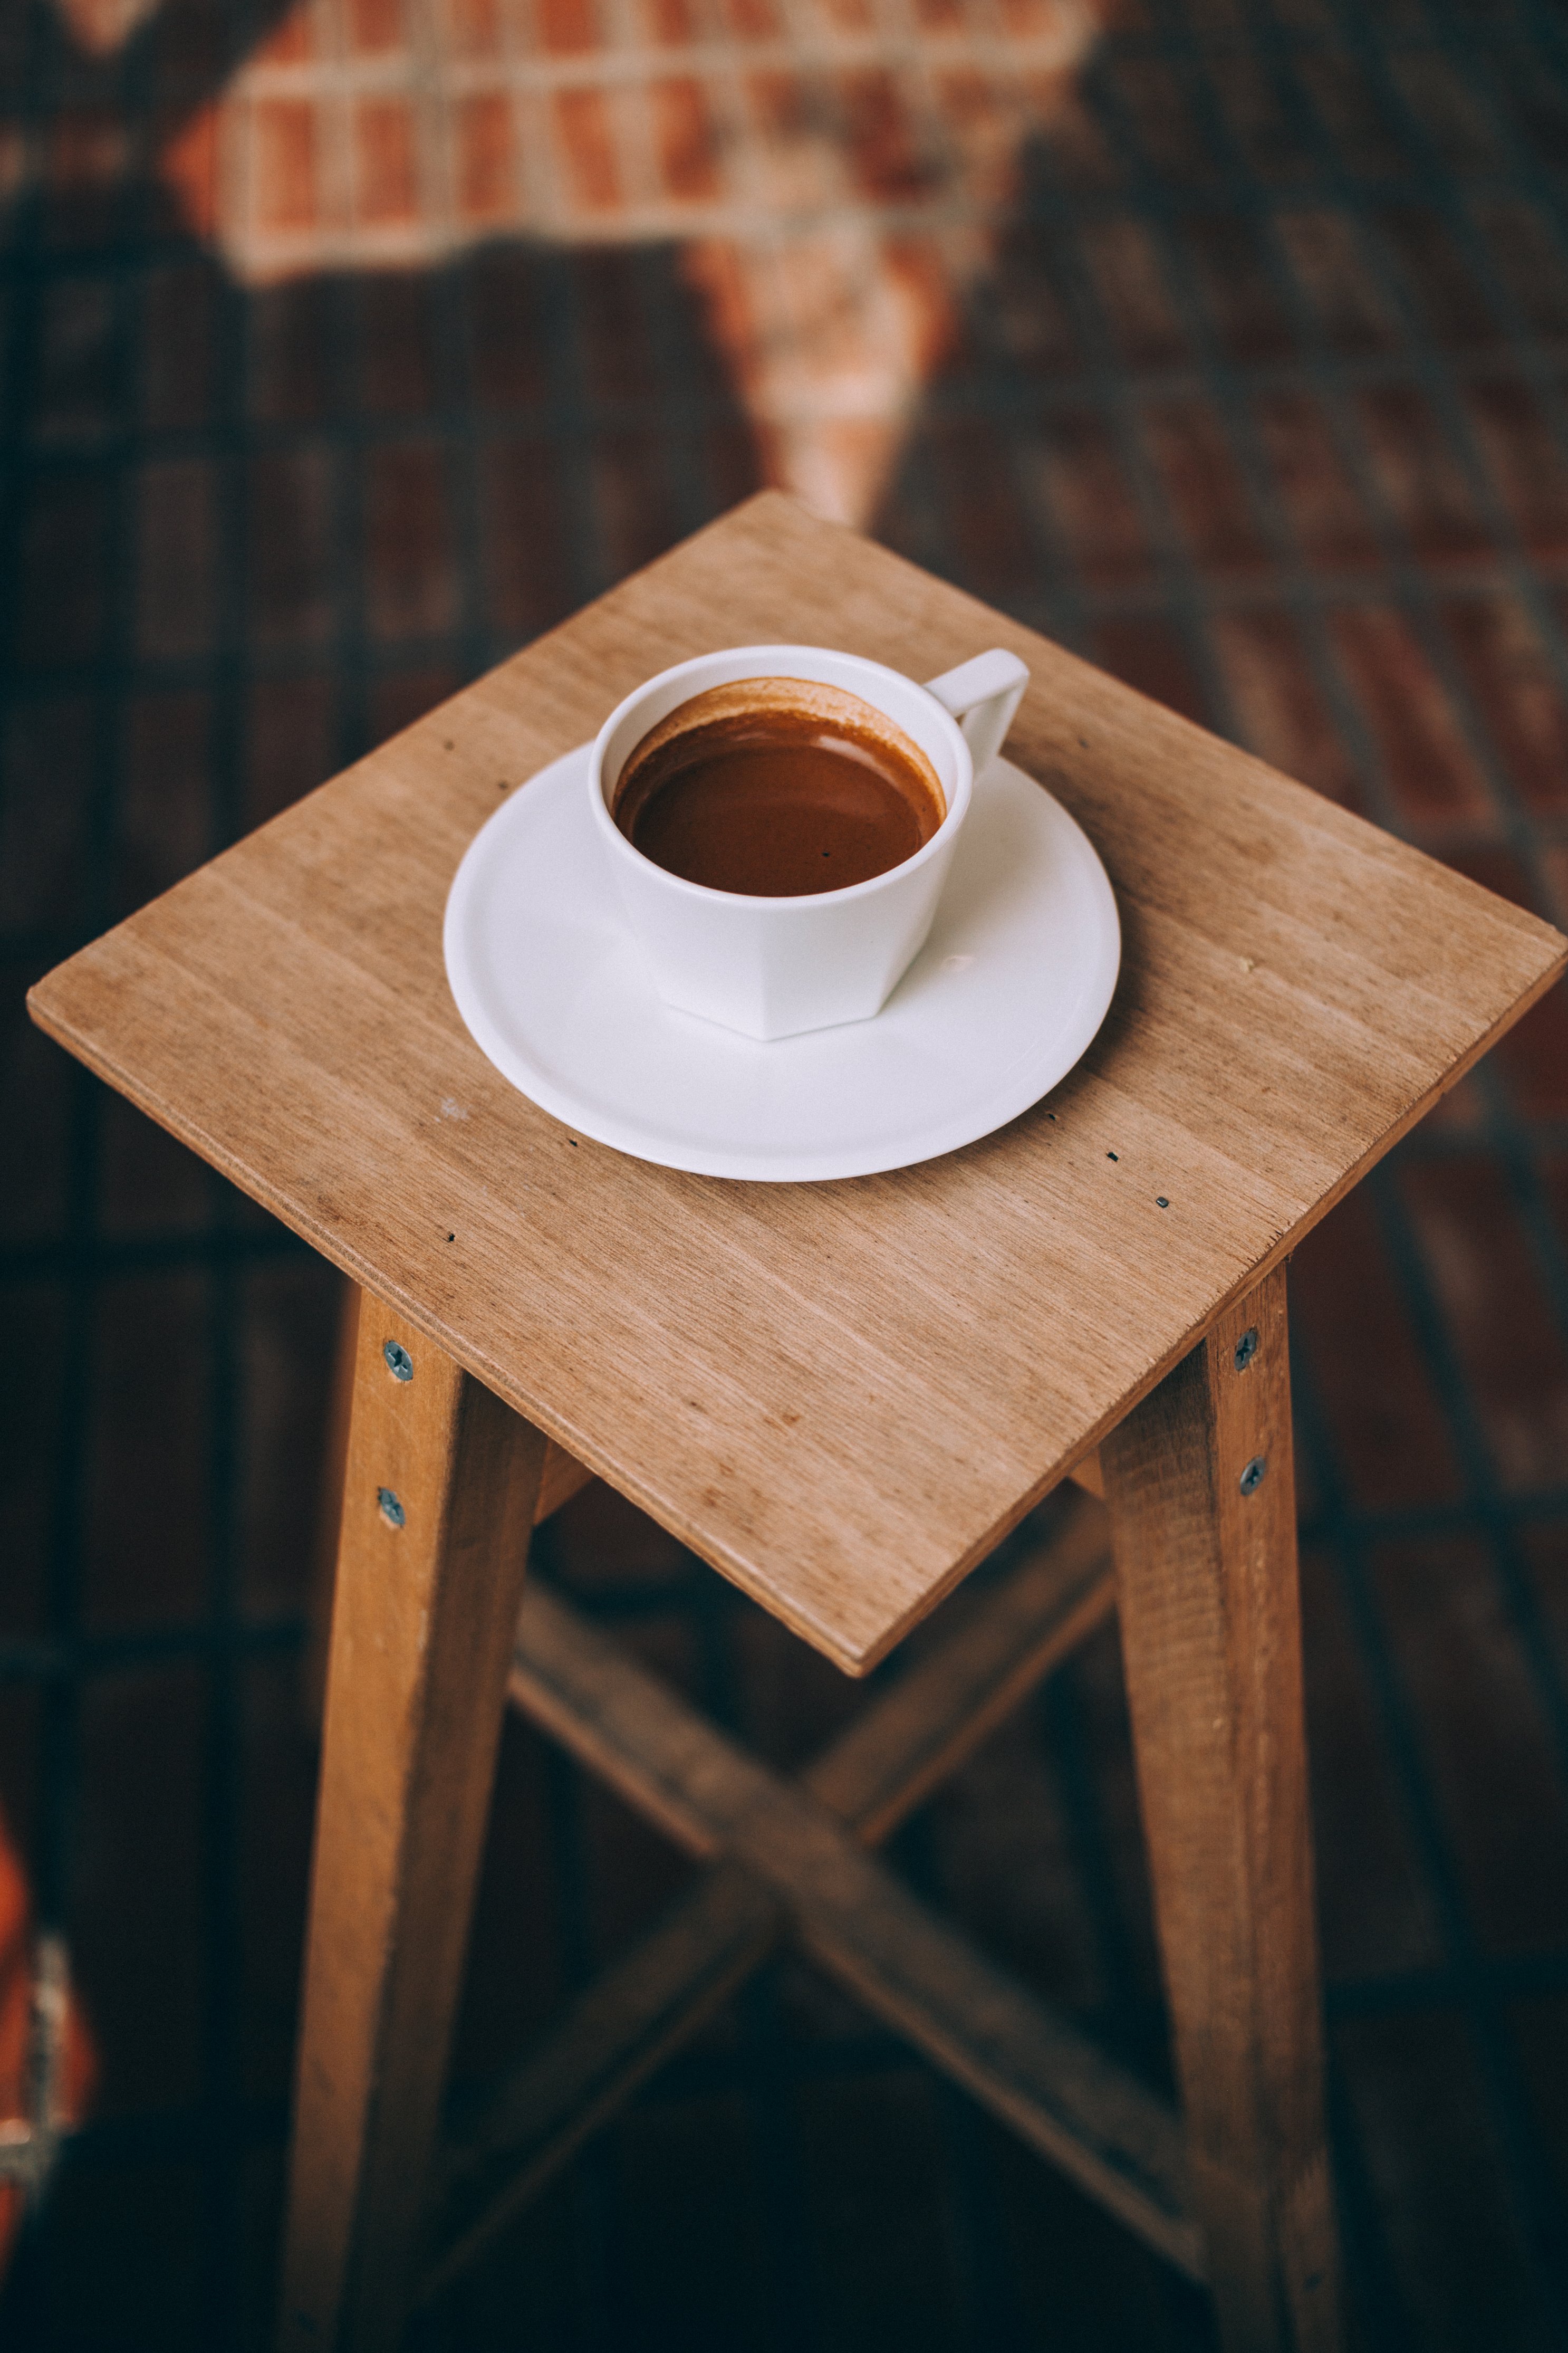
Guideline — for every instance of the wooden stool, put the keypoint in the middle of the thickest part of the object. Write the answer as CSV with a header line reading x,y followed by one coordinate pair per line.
x,y
842,1396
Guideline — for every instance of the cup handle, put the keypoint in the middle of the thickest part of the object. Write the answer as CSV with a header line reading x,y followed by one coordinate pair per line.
x,y
983,696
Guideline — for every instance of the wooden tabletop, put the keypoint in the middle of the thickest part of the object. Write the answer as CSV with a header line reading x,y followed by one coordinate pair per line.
x,y
841,1394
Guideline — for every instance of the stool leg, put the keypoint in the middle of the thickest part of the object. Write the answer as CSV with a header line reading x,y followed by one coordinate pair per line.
x,y
1204,1542
439,1497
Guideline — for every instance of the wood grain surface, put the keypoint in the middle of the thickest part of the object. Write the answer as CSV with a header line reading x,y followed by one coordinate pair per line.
x,y
1202,1516
440,1491
840,1395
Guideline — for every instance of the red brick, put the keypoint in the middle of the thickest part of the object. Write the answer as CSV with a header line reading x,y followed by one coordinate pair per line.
x,y
1459,315
398,360
188,168
1076,153
1533,1058
386,174
1033,20
1454,120
632,498
1433,772
76,386
400,697
1148,654
37,1084
86,153
276,1806
33,1399
178,330
1363,135
568,27
476,29
1484,1739
1490,1287
50,771
375,27
289,744
411,585
733,464
1023,309
1376,1913
288,545
1527,256
176,570
290,347
671,24
1128,273
686,138
884,154
1353,311
530,574
1539,2029
612,324
506,340
283,132
1243,300
587,139
1072,454
1205,487
1391,1436
485,160
1265,130
1511,678
1537,104
1327,513
291,41
1436,2179
1151,91
1544,1542
753,20
165,825
516,1975
148,1512
64,543
137,1948
1279,704
286,1328
1420,476
1526,458
985,521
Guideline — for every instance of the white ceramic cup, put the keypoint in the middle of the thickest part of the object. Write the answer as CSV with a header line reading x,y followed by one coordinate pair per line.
x,y
771,967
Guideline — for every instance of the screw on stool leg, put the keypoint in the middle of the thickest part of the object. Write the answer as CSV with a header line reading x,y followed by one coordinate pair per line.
x,y
390,1509
1252,1477
399,1363
1246,1348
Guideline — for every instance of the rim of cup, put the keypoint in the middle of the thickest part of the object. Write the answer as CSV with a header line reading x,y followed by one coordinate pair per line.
x,y
957,797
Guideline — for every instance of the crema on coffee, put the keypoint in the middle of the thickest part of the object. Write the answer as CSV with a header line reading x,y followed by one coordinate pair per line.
x,y
778,788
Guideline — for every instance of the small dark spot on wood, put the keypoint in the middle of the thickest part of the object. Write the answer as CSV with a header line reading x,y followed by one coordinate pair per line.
x,y
573,1142
1113,1155
1052,1117
445,743
451,1238
1083,742
1161,1202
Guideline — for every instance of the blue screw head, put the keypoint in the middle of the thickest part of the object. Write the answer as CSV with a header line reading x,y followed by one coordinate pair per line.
x,y
392,1510
1246,1349
1252,1477
399,1363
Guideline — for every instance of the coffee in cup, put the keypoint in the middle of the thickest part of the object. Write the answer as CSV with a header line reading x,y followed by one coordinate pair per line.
x,y
778,787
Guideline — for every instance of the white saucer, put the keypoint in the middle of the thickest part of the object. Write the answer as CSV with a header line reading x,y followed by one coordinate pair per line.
x,y
1005,995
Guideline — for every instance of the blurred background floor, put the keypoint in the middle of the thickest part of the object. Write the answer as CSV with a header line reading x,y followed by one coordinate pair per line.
x,y
345,345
